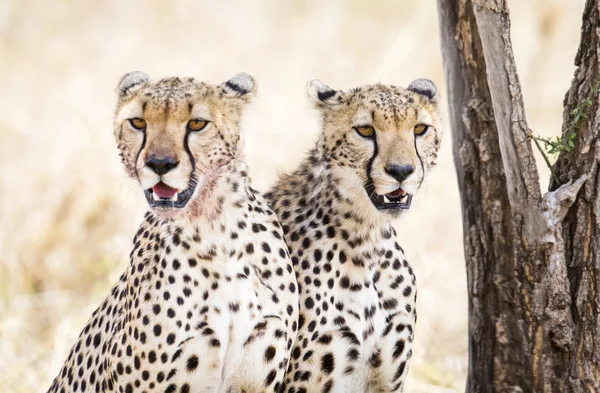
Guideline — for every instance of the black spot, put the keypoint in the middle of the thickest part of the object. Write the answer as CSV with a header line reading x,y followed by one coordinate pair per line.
x,y
352,354
309,303
296,352
97,340
270,378
266,247
328,363
345,282
171,388
390,304
375,359
324,339
330,232
270,353
400,370
171,339
306,242
398,348
192,363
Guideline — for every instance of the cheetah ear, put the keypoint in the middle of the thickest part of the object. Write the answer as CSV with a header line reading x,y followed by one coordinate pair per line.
x,y
241,85
323,94
131,82
426,88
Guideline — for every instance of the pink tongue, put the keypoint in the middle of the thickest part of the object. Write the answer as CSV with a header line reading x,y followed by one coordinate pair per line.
x,y
397,193
163,191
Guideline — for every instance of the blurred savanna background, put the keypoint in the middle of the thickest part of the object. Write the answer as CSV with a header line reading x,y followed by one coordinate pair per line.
x,y
68,213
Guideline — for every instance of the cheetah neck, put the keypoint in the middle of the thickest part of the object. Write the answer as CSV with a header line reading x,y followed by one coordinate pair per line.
x,y
228,201
312,198
323,186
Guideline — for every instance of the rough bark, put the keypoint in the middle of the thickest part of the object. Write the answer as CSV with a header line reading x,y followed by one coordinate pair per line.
x,y
581,226
531,317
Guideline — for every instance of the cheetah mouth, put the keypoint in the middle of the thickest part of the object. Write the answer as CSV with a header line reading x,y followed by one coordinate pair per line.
x,y
162,195
395,200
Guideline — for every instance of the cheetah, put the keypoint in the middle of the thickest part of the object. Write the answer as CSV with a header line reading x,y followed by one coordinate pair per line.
x,y
208,302
357,291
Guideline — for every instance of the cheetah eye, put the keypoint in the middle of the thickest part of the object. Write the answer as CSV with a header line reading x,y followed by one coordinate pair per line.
x,y
138,124
365,131
420,129
196,125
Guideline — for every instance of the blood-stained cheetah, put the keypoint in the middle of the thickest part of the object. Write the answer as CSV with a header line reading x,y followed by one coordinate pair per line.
x,y
208,302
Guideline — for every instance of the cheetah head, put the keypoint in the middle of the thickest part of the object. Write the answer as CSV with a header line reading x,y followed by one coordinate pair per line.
x,y
176,135
380,140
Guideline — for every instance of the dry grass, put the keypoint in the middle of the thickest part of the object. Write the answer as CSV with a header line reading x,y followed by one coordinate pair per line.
x,y
67,213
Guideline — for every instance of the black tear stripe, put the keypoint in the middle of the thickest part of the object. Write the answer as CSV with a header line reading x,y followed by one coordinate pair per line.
x,y
137,156
370,163
235,87
186,147
323,95
420,160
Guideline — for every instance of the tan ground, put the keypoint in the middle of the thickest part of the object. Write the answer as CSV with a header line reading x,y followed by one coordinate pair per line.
x,y
67,213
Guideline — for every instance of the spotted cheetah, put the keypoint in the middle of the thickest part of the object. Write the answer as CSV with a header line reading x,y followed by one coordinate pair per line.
x,y
357,291
208,302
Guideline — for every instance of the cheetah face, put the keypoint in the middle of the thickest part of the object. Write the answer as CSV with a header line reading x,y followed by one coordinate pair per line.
x,y
381,140
176,135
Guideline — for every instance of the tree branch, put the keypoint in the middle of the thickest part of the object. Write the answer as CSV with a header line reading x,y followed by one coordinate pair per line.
x,y
519,163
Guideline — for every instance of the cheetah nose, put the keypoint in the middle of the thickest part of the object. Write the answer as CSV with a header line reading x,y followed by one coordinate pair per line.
x,y
399,172
161,165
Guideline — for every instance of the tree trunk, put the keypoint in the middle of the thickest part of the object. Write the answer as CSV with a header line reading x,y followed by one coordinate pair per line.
x,y
581,226
533,300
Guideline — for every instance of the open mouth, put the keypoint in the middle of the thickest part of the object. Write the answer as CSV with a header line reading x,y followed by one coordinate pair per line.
x,y
397,199
161,195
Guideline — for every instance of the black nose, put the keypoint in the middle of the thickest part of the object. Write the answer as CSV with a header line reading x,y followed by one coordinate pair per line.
x,y
162,165
399,172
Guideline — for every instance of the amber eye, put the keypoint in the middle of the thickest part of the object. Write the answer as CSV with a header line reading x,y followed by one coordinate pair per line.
x,y
138,124
420,129
196,124
366,131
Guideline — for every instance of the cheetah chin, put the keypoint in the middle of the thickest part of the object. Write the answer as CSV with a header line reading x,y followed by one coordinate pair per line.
x,y
162,195
395,200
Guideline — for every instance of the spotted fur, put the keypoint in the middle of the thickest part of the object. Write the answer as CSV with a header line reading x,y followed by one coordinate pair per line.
x,y
208,302
357,291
